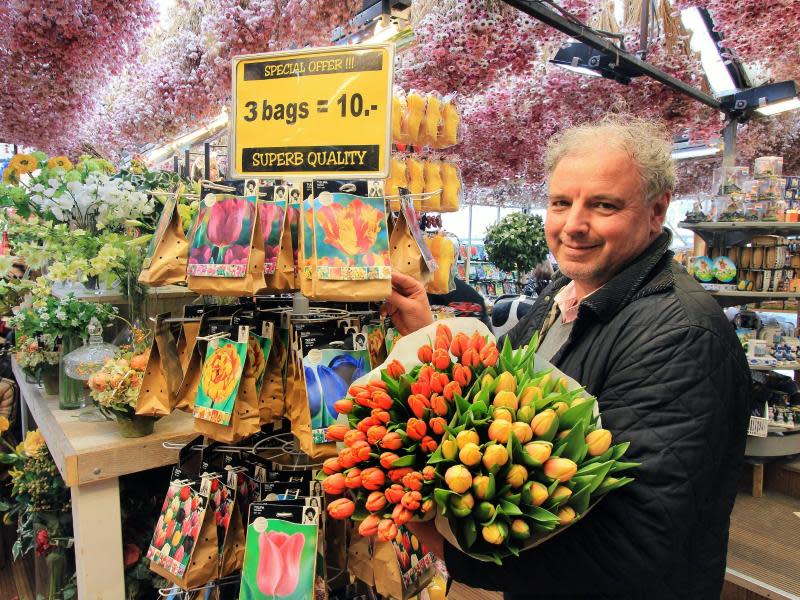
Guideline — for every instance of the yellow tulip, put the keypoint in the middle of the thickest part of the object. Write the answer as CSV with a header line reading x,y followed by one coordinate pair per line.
x,y
517,476
449,449
506,400
566,515
499,431
560,408
495,456
458,479
526,413
534,493
470,455
520,529
505,383
4,424
539,450
561,493
522,431
503,414
530,395
559,468
467,436
495,534
599,441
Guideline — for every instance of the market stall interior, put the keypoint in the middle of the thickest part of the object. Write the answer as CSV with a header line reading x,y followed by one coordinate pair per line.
x,y
202,207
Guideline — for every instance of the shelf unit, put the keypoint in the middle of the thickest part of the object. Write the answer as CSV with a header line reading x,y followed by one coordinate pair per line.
x,y
791,367
731,233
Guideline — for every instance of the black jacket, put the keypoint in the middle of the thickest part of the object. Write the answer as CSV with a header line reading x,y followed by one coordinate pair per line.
x,y
672,379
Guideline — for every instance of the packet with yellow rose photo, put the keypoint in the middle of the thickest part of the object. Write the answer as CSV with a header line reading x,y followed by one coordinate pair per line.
x,y
219,380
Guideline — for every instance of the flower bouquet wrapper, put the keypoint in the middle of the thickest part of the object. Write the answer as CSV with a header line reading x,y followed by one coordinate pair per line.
x,y
251,282
168,253
163,374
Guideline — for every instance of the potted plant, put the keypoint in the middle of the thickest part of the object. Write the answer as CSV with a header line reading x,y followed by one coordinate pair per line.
x,y
516,243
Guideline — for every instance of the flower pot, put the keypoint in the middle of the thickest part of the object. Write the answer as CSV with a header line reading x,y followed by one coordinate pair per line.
x,y
49,377
72,393
51,576
131,426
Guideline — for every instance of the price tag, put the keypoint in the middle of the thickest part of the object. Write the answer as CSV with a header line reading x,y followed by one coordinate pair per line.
x,y
758,427
324,112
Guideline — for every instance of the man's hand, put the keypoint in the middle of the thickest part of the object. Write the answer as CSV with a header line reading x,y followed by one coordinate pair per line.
x,y
407,305
427,534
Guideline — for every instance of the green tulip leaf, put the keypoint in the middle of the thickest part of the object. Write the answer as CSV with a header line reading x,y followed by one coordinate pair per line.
x,y
591,468
513,550
623,466
605,456
409,460
618,450
577,414
442,498
608,486
541,528
540,515
506,360
580,500
479,408
509,509
461,404
513,498
469,532
552,487
600,476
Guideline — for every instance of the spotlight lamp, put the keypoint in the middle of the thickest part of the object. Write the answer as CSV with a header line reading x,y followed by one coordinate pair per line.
x,y
580,58
762,101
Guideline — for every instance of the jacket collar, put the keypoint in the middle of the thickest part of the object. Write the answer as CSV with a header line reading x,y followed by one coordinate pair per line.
x,y
647,274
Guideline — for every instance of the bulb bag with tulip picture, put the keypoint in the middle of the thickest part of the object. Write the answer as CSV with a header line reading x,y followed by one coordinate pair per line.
x,y
280,554
163,374
282,277
226,257
272,215
230,529
168,252
184,548
271,397
403,566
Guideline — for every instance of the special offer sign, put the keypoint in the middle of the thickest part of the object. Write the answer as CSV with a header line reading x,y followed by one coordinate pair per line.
x,y
324,112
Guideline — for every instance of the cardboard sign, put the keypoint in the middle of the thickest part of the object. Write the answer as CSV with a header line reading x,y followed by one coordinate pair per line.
x,y
324,112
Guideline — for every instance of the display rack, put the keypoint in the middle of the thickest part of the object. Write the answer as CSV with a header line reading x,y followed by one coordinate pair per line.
x,y
731,233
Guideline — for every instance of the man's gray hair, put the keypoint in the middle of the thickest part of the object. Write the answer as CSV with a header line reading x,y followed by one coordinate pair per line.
x,y
648,143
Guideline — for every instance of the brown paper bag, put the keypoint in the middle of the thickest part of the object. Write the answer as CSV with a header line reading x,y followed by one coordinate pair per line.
x,y
359,559
406,255
272,400
395,577
168,252
187,340
282,280
204,562
232,556
163,375
191,381
250,285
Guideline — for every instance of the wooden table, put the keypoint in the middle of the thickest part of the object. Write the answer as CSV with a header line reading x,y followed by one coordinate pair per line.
x,y
91,456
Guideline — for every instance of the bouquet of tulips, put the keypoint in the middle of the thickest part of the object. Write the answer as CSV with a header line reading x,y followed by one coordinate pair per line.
x,y
506,447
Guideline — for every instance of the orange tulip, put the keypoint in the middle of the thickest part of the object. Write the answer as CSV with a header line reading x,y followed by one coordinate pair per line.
x,y
334,484
355,390
566,515
411,500
382,415
425,353
436,425
380,399
360,450
392,441
387,530
401,515
377,384
395,368
347,458
343,406
425,373
441,343
354,435
372,479
499,431
416,429
418,405
413,480
397,475
387,459
369,526
471,358
599,441
376,502
559,468
438,382
441,359
331,466
489,355
428,445
427,505
450,391
459,344
462,375
375,434
477,341
428,473
341,508
422,387
364,399
352,479
367,422
439,404
394,493
444,330
336,432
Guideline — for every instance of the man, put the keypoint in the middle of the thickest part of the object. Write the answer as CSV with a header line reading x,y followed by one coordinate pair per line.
x,y
625,320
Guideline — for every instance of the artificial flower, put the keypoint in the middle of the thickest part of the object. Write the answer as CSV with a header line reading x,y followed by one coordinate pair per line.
x,y
34,443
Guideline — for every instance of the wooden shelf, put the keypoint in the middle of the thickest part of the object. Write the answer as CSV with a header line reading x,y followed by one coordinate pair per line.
x,y
90,451
795,366
115,296
732,233
734,298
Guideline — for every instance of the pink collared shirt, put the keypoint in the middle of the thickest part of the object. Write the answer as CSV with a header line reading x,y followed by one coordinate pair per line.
x,y
568,303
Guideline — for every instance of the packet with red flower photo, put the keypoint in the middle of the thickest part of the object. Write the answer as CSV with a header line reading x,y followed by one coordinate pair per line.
x,y
185,529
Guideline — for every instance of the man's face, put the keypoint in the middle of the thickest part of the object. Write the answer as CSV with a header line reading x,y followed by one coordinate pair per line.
x,y
597,219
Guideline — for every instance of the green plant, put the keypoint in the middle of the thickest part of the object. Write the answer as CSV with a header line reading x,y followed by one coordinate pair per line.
x,y
516,242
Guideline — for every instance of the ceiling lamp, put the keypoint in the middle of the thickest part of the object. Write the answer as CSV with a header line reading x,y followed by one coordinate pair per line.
x,y
580,58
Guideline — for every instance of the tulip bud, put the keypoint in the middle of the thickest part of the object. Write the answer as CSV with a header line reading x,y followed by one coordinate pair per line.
x,y
341,508
352,479
441,343
343,406
566,515
439,403
354,435
520,529
470,454
559,468
539,451
428,473
387,459
530,395
427,505
425,354
364,399
396,475
382,400
483,487
462,505
376,502
413,480
495,457
462,375
458,479
599,441
561,493
450,391
477,341
438,381
360,450
331,466
335,432
499,431
516,476
449,449
522,431
425,373
562,385
495,534
489,355
375,434
418,405
428,445
465,437
534,493
471,358
365,424
563,434
505,383
347,458
382,415
486,380
355,390
373,478
441,359
506,399
560,408
401,515
392,441
416,429
411,500
376,384
503,414
387,530
394,369
422,387
444,331
545,425
437,425
334,484
485,511
459,344
526,413
394,493
369,526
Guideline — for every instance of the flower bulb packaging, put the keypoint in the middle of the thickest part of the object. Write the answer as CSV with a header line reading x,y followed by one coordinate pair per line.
x,y
421,120
162,374
167,255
